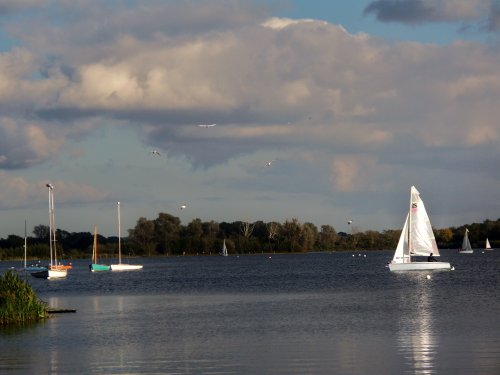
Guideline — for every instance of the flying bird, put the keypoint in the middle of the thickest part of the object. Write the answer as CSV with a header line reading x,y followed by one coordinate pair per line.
x,y
183,206
268,163
155,153
349,221
206,125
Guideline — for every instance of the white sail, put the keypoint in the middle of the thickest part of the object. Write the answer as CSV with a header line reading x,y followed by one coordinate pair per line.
x,y
466,247
488,246
466,243
417,239
422,240
224,249
402,254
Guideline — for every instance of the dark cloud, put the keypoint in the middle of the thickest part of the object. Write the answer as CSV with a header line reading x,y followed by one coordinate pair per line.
x,y
474,15
8,7
409,11
494,19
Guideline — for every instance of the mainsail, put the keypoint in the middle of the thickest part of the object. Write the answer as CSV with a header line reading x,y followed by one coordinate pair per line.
x,y
421,239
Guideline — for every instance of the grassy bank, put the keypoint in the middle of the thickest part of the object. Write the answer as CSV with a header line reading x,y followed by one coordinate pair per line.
x,y
18,301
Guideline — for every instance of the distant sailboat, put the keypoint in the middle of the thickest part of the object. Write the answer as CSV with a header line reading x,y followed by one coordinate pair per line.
x,y
33,267
466,247
122,266
53,271
417,239
488,246
224,249
95,266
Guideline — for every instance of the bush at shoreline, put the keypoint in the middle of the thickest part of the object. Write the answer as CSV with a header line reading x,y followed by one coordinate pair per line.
x,y
18,301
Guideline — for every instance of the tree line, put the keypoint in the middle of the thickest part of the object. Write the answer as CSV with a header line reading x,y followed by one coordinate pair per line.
x,y
165,235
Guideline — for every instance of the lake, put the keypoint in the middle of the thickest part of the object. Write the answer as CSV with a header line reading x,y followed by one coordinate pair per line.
x,y
318,313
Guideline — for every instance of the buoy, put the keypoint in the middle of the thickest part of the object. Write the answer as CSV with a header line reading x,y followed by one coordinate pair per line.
x,y
352,254
364,255
453,268
428,277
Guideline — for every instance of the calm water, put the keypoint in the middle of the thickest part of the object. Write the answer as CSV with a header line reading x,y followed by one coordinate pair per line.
x,y
288,314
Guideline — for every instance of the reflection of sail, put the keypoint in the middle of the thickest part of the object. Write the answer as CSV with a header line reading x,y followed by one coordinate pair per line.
x,y
416,339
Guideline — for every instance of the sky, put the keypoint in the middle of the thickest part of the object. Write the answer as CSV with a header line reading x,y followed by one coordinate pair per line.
x,y
354,101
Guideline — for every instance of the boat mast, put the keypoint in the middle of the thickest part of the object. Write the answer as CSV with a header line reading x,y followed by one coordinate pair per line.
x,y
25,245
119,237
49,186
54,246
409,224
94,252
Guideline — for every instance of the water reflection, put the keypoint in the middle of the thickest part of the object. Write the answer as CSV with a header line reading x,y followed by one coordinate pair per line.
x,y
416,341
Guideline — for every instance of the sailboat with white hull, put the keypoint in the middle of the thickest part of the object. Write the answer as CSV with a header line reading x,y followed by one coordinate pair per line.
x,y
54,270
417,239
122,266
466,247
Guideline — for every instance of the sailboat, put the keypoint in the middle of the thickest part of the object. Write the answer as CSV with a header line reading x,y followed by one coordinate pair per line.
x,y
466,247
53,271
417,239
488,246
224,249
122,266
95,266
33,267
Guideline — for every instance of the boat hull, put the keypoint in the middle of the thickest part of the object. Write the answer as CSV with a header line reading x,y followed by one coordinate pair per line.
x,y
419,266
466,251
125,267
50,274
35,268
99,267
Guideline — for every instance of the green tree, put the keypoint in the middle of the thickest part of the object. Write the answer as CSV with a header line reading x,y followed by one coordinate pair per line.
x,y
327,238
143,234
167,231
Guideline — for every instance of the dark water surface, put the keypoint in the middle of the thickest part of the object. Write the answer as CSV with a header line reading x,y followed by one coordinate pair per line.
x,y
285,314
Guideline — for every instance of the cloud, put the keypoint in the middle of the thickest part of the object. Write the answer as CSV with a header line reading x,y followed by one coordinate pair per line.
x,y
24,144
17,192
13,6
269,83
477,14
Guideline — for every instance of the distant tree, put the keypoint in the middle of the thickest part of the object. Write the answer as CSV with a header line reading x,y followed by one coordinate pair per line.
x,y
144,235
272,233
210,231
291,233
308,236
41,232
246,230
327,238
167,231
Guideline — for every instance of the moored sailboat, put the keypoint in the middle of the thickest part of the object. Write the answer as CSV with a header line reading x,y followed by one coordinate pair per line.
x,y
224,249
94,265
466,247
53,271
33,267
417,239
488,246
122,266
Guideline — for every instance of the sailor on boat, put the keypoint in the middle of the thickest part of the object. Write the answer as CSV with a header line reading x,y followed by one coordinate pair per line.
x,y
430,258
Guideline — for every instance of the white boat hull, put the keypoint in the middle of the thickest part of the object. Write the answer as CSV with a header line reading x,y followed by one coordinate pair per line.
x,y
50,274
466,251
125,267
419,266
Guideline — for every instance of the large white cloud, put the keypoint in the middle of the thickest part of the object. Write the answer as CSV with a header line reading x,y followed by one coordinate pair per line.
x,y
267,82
